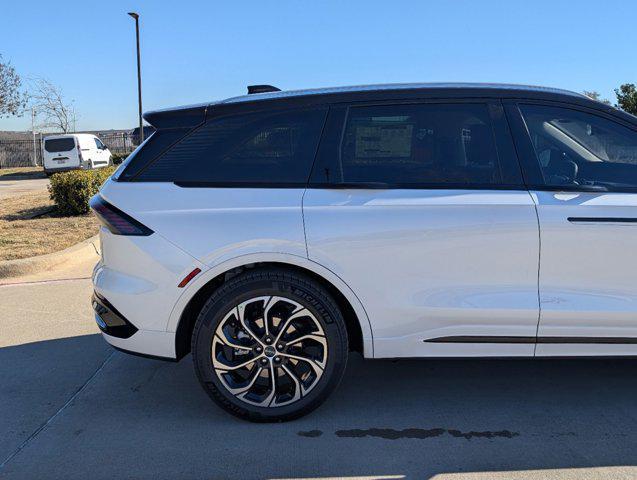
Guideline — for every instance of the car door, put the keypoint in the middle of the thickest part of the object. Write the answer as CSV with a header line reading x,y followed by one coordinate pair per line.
x,y
88,150
421,210
582,170
101,153
60,152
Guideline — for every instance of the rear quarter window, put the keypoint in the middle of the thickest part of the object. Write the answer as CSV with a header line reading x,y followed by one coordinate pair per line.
x,y
267,148
59,145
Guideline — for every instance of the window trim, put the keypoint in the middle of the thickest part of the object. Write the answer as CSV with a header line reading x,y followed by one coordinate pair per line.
x,y
502,142
531,170
211,184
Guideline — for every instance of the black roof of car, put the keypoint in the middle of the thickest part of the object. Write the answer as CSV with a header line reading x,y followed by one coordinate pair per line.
x,y
191,115
436,88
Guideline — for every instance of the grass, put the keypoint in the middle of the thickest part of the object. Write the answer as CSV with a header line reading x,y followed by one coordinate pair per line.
x,y
19,173
29,226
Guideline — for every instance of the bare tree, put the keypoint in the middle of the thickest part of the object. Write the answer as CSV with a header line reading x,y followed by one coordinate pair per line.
x,y
52,108
595,96
12,98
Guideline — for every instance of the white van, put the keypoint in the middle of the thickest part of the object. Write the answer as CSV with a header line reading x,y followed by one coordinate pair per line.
x,y
74,151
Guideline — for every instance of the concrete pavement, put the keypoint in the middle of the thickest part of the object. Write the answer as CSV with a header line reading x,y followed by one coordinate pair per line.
x,y
71,407
76,261
10,188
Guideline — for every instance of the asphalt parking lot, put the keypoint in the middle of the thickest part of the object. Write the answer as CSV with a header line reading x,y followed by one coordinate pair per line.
x,y
71,407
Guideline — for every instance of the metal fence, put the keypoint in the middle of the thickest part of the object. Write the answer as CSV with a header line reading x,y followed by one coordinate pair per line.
x,y
23,152
20,153
119,142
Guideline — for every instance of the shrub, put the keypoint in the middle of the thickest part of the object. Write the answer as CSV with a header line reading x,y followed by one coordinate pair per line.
x,y
72,190
117,158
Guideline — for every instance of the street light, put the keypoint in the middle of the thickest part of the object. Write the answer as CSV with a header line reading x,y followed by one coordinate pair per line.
x,y
35,150
139,76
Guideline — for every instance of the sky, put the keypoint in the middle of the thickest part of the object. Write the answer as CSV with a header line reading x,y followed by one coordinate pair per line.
x,y
194,51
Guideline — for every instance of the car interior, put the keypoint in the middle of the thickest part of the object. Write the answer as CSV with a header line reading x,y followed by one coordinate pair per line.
x,y
453,147
583,150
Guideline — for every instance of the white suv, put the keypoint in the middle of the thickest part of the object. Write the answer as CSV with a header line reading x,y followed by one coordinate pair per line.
x,y
271,233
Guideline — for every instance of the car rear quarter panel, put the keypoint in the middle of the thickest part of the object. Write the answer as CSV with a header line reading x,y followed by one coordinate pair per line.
x,y
215,224
194,228
139,275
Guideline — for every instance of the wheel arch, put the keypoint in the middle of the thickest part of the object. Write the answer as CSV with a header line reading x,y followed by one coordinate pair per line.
x,y
185,313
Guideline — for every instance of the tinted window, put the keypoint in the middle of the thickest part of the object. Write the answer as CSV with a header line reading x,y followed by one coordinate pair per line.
x,y
259,148
148,151
418,145
99,144
575,148
59,144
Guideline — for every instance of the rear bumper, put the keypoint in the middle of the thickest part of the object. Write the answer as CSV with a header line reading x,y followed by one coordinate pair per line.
x,y
136,289
109,320
82,166
61,169
146,343
126,337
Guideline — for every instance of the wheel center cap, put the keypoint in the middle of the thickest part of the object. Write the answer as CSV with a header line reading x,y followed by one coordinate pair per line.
x,y
269,351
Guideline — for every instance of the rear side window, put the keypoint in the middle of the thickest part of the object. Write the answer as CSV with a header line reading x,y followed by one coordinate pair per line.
x,y
59,144
578,149
253,149
417,146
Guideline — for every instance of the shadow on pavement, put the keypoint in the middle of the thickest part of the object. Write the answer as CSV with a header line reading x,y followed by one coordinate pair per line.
x,y
149,419
22,175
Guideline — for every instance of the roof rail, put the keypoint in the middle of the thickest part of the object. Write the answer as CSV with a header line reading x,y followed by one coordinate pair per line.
x,y
262,89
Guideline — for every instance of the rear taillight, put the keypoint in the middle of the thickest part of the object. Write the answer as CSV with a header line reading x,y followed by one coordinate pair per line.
x,y
115,220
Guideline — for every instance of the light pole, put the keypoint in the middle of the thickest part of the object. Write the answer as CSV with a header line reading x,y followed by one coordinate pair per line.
x,y
35,150
139,76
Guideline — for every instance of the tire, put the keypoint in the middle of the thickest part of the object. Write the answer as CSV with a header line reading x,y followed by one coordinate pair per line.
x,y
311,347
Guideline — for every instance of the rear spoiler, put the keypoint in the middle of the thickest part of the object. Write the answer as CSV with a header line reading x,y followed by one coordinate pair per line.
x,y
183,117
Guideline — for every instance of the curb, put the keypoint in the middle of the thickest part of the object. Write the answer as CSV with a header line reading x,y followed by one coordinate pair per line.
x,y
23,266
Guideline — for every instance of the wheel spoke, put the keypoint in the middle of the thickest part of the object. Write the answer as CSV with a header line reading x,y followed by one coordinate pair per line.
x,y
318,338
240,390
240,311
223,338
297,386
267,305
316,366
301,311
225,367
272,395
267,401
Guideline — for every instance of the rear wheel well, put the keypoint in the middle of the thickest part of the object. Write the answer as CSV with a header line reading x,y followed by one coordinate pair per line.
x,y
190,313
